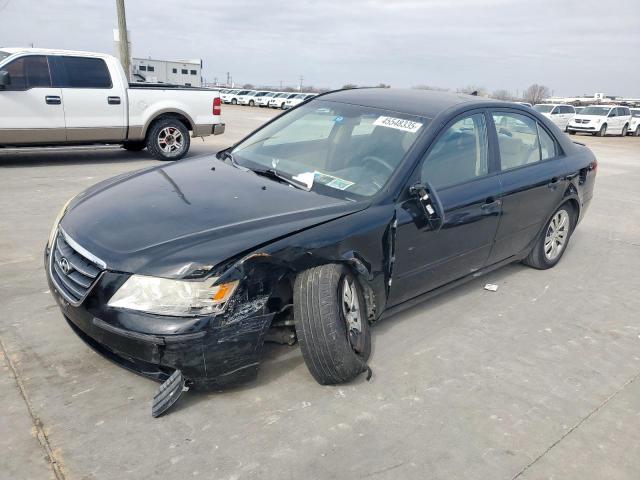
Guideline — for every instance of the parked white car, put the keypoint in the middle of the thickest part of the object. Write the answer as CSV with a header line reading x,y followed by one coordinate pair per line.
x,y
297,99
559,114
601,120
245,96
252,100
61,97
634,126
229,95
263,101
280,100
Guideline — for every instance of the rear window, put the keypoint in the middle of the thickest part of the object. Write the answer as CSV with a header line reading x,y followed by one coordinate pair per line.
x,y
82,72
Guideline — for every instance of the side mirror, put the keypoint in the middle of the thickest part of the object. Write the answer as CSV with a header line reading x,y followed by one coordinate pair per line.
x,y
5,79
429,203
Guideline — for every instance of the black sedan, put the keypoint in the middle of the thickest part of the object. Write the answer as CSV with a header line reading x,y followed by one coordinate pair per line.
x,y
348,207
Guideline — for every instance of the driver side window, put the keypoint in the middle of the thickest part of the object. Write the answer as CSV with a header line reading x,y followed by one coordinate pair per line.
x,y
459,154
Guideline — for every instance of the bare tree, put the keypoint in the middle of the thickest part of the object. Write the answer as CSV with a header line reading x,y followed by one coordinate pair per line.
x,y
248,86
349,85
502,95
536,93
384,85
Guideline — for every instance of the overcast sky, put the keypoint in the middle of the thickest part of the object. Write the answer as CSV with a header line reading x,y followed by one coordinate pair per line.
x,y
572,46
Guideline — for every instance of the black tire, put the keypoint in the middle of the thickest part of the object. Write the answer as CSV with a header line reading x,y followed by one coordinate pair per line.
x,y
572,132
624,131
603,131
282,106
134,146
321,326
537,258
251,103
157,129
234,101
637,134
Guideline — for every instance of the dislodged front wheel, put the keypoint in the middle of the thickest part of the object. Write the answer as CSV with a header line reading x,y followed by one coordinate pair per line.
x,y
331,323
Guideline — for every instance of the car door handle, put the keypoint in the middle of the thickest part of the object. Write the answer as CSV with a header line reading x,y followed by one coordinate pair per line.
x,y
553,184
53,100
491,206
113,100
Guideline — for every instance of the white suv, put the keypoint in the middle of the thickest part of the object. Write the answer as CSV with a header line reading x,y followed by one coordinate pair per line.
x,y
559,114
229,95
634,126
601,120
280,100
297,99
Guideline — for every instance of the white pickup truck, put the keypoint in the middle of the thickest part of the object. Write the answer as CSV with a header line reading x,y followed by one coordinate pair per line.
x,y
59,97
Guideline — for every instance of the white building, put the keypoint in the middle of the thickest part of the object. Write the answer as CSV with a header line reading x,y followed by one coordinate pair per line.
x,y
180,72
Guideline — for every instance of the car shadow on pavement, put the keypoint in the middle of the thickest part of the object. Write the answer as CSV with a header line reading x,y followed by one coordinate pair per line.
x,y
68,157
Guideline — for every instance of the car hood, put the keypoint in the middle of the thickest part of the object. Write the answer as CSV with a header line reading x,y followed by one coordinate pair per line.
x,y
189,216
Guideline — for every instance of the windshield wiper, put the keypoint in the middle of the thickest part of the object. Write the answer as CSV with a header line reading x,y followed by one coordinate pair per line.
x,y
226,155
274,175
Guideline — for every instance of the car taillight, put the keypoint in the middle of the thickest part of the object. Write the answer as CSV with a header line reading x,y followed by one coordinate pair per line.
x,y
217,106
594,166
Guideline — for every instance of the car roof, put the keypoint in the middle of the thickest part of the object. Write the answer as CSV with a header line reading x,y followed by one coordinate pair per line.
x,y
51,51
423,103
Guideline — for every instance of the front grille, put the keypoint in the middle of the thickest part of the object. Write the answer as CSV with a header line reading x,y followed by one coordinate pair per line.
x,y
73,273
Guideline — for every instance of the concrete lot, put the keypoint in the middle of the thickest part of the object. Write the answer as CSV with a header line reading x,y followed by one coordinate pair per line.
x,y
537,380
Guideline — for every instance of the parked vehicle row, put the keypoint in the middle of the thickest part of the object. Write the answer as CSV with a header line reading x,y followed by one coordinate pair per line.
x,y
598,120
264,98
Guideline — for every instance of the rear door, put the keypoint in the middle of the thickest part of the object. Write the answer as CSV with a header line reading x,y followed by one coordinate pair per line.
x,y
461,167
94,103
532,180
31,110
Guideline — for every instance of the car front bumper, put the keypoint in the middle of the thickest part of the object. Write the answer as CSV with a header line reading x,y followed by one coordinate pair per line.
x,y
212,352
583,128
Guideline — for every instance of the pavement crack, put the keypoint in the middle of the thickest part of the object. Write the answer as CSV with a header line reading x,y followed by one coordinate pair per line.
x,y
37,423
577,425
383,470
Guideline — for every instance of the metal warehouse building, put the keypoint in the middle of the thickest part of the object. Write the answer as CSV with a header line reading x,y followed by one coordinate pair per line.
x,y
181,72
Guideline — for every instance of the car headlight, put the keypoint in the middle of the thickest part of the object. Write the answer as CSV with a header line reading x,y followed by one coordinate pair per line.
x,y
598,120
164,296
56,222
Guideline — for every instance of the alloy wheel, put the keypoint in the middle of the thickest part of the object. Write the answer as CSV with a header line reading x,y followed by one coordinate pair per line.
x,y
352,313
170,141
557,234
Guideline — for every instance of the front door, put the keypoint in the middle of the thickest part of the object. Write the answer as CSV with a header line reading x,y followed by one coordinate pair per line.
x,y
31,111
460,167
94,103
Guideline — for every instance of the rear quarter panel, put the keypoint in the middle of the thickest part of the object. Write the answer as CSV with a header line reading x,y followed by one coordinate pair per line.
x,y
147,104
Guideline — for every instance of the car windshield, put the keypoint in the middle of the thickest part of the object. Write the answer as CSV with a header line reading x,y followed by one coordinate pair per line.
x,y
543,108
4,55
635,113
343,150
600,111
301,95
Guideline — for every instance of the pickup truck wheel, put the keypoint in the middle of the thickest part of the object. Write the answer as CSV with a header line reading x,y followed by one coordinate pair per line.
x,y
553,240
331,323
168,139
134,146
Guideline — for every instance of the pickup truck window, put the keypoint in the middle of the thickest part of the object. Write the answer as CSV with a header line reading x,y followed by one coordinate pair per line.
x,y
28,72
83,72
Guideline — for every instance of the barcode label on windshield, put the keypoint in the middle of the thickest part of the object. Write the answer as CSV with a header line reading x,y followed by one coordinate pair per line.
x,y
398,124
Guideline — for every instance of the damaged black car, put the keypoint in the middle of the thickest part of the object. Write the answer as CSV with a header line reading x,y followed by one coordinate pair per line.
x,y
349,207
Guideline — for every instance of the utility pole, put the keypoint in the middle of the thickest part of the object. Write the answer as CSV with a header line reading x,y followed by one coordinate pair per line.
x,y
300,86
228,80
123,38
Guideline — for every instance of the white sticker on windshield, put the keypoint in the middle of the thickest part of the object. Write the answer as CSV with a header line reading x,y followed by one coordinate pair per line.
x,y
398,124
